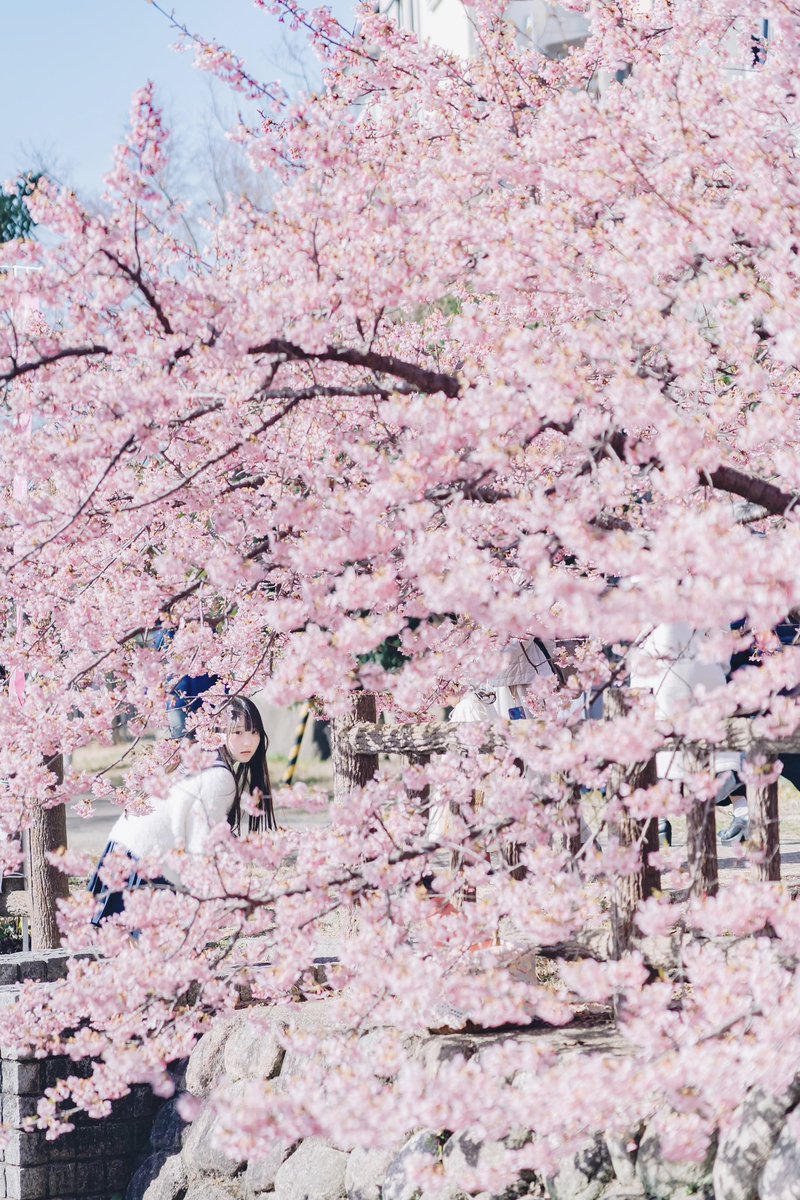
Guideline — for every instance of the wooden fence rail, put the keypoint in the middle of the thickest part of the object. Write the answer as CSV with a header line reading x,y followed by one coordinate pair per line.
x,y
437,737
748,735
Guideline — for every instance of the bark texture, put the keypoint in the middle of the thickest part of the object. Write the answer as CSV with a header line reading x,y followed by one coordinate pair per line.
x,y
353,767
432,737
48,832
765,834
630,890
701,843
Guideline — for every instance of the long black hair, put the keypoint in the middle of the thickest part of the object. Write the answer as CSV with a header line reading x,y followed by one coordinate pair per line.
x,y
252,776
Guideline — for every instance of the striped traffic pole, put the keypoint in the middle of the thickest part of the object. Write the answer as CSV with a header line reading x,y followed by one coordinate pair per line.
x,y
291,765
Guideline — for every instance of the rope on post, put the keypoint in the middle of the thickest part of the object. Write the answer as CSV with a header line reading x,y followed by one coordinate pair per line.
x,y
291,765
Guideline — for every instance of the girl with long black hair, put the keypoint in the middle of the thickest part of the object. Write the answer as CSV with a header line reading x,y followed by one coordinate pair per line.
x,y
195,804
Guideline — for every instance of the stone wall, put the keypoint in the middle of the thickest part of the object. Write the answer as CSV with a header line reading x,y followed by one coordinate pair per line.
x,y
757,1159
145,1151
96,1160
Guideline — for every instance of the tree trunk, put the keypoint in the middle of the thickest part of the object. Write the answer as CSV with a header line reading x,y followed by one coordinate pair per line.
x,y
765,836
701,847
630,890
572,814
352,769
46,884
652,875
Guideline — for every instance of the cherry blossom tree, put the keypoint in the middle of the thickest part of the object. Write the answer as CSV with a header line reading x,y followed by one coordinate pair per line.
x,y
510,354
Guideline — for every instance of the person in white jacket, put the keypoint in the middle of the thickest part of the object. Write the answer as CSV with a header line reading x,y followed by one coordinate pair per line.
x,y
502,696
193,806
673,663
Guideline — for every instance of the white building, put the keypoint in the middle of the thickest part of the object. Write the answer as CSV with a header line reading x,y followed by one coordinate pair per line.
x,y
447,23
542,24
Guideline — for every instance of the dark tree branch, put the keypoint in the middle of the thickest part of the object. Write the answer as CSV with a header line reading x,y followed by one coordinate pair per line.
x,y
764,495
80,509
48,359
164,609
421,378
217,458
757,491
136,277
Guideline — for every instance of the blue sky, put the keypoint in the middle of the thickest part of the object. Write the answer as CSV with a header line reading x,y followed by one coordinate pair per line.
x,y
70,67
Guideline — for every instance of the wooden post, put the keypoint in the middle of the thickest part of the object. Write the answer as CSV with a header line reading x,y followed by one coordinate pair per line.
x,y
701,838
423,794
353,768
434,737
46,884
765,835
630,890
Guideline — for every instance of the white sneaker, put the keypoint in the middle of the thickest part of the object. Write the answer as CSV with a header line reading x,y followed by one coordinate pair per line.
x,y
737,831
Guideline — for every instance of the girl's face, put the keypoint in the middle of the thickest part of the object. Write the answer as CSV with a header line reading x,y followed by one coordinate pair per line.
x,y
242,743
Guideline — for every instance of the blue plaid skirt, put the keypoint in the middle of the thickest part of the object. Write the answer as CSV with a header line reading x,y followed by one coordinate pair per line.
x,y
110,903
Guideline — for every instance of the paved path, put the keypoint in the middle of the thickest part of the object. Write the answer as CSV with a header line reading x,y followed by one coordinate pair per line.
x,y
91,834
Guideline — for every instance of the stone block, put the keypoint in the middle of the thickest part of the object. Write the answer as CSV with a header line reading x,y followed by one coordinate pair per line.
x,y
83,1143
210,1189
145,1174
314,1172
663,1180
27,1149
201,1155
117,1174
26,1183
365,1173
261,1172
780,1178
141,1103
61,1178
57,962
585,1175
747,1143
8,970
253,1051
168,1129
14,1108
206,1062
62,1149
171,1181
22,1076
466,1153
31,965
434,1051
113,1138
422,1147
11,1151
89,1178
296,1063
320,1015
54,1069
623,1160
